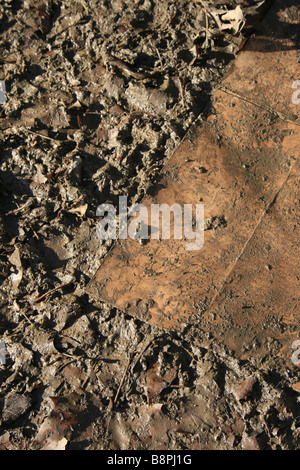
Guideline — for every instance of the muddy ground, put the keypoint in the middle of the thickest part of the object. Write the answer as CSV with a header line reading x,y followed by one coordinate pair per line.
x,y
98,96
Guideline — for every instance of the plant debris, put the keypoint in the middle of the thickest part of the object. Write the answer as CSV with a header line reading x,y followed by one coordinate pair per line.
x,y
98,95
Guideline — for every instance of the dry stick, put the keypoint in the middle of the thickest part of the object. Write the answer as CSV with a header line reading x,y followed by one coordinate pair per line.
x,y
51,291
271,110
18,209
111,403
206,24
40,298
83,2
181,91
39,134
126,68
143,349
27,318
123,378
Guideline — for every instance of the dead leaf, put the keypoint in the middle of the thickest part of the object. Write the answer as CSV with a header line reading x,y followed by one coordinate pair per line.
x,y
156,383
56,445
62,420
15,260
39,179
15,405
153,409
79,210
7,444
235,18
231,19
241,391
250,443
296,387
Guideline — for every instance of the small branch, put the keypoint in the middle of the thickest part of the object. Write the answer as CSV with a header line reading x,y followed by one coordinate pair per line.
x,y
123,378
271,110
18,209
62,286
39,134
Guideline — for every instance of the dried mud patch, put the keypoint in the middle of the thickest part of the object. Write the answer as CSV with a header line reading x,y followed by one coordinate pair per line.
x,y
98,96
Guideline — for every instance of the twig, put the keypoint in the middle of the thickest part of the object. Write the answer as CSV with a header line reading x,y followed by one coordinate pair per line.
x,y
27,318
112,402
123,378
126,68
145,345
206,24
181,91
39,134
83,3
271,110
157,52
15,211
208,12
62,286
